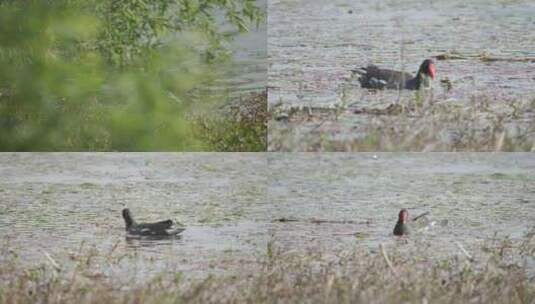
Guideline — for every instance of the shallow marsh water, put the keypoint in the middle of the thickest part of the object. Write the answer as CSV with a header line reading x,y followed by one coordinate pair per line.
x,y
63,204
313,45
56,203
470,196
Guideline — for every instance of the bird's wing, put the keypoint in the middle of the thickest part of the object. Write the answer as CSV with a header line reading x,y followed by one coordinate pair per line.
x,y
163,225
390,75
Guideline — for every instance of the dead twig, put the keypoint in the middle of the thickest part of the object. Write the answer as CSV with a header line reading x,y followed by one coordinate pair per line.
x,y
52,261
482,57
421,215
316,221
470,258
387,260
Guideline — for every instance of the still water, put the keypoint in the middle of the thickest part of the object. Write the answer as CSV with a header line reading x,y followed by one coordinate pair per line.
x,y
57,203
469,196
66,203
248,69
313,45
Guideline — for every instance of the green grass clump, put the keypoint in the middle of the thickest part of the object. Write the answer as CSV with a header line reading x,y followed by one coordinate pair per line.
x,y
238,127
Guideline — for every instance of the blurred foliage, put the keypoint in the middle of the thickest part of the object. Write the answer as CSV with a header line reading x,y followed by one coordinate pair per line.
x,y
132,27
242,126
109,75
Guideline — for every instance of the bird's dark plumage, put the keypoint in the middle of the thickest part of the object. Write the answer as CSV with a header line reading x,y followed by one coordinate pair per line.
x,y
402,227
162,228
373,77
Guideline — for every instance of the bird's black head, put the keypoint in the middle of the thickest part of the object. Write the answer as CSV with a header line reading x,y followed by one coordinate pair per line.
x,y
427,68
127,217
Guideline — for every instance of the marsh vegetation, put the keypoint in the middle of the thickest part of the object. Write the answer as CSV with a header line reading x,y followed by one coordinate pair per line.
x,y
498,272
63,238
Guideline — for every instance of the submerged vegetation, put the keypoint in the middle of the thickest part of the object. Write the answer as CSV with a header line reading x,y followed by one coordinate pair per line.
x,y
418,124
120,75
499,270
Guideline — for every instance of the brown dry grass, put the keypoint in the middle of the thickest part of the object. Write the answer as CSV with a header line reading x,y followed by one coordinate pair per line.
x,y
501,271
412,125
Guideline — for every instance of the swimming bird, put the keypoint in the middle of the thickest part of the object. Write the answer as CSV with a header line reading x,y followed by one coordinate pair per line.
x,y
162,228
402,227
373,77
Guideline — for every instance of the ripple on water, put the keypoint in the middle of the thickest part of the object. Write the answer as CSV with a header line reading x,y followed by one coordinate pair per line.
x,y
57,203
470,196
313,45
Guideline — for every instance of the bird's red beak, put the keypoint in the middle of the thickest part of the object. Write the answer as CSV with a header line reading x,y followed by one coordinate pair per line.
x,y
431,70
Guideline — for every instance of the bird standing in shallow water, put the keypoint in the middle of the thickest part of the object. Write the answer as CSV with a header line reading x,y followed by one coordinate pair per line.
x,y
162,228
402,227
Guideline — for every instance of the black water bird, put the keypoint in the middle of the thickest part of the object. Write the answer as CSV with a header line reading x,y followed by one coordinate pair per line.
x,y
162,228
402,227
373,77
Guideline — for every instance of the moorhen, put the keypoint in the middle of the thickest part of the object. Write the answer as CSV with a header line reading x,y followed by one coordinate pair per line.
x,y
163,228
372,77
402,227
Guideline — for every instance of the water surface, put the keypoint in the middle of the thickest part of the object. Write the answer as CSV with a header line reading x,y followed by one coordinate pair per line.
x,y
314,44
57,203
470,196
64,204
248,69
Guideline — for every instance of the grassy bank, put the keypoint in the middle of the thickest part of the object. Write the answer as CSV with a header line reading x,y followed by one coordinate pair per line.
x,y
496,271
238,126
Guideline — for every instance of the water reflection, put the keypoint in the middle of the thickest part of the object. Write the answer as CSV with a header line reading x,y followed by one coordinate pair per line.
x,y
138,241
248,71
